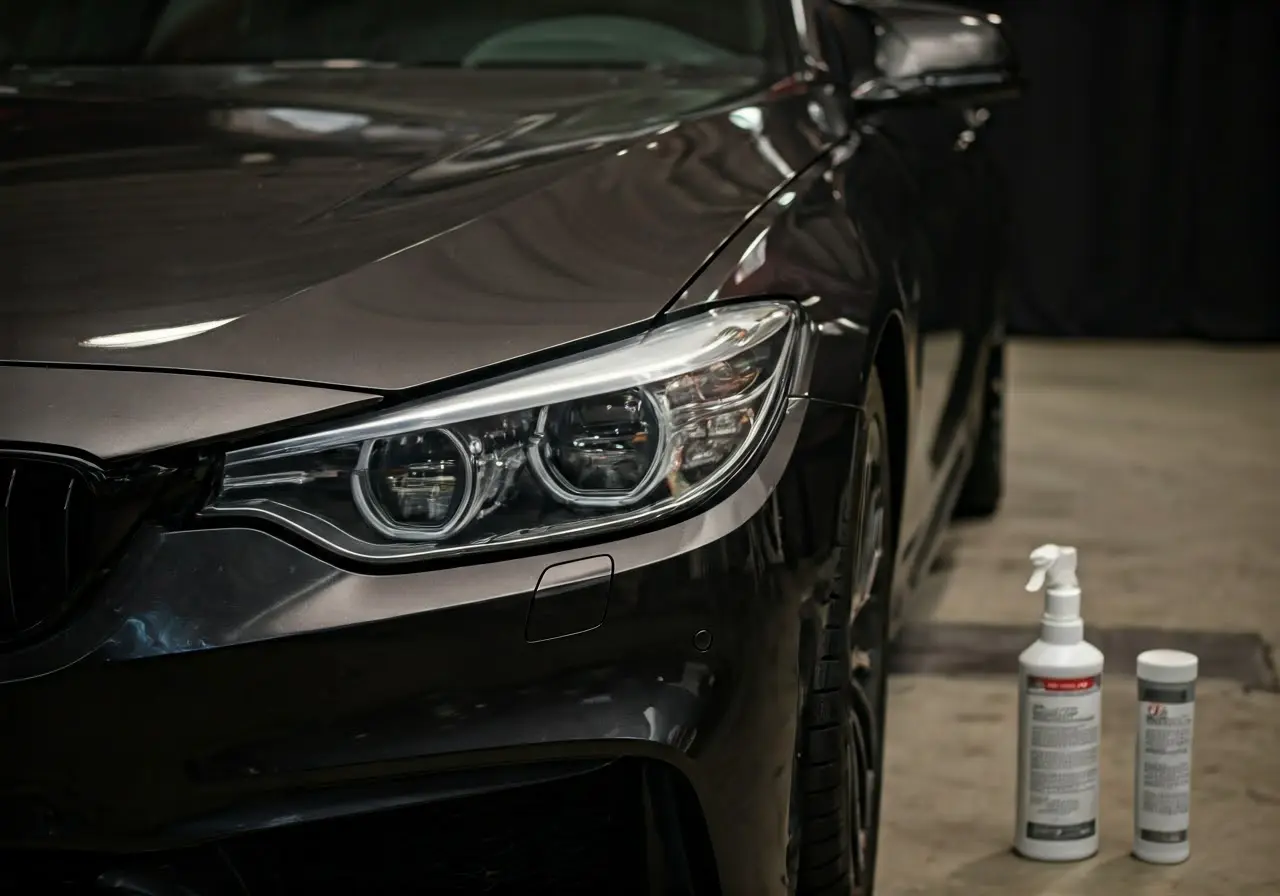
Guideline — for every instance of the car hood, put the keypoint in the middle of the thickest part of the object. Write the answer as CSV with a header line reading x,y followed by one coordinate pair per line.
x,y
368,229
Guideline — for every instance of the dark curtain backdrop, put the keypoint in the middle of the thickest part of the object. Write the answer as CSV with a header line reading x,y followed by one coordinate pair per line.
x,y
1145,166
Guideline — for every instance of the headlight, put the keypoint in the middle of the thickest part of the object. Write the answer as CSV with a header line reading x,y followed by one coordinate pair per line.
x,y
605,439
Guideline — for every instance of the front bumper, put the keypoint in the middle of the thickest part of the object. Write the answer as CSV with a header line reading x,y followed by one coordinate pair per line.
x,y
229,688
556,827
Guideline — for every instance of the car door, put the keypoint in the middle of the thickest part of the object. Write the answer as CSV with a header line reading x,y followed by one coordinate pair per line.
x,y
950,233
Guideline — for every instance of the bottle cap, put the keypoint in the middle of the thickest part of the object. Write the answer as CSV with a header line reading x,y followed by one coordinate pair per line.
x,y
1168,666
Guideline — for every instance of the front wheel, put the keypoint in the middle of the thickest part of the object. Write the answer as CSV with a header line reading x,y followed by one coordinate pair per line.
x,y
841,762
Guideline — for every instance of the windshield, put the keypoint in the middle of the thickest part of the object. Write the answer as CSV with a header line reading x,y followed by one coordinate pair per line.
x,y
446,33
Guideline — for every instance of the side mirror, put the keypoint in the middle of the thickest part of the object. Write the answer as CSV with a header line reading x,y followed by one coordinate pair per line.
x,y
929,52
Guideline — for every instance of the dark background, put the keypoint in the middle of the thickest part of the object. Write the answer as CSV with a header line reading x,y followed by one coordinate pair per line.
x,y
1144,162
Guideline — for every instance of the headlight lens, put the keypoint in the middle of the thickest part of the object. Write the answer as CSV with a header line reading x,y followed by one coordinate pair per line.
x,y
604,439
605,446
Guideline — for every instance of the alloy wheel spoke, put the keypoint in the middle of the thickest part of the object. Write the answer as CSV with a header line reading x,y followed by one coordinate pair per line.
x,y
865,668
870,554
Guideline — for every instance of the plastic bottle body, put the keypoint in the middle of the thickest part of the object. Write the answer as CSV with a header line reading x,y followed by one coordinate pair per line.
x,y
1162,756
1059,740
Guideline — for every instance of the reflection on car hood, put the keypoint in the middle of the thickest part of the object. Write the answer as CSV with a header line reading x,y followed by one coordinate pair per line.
x,y
369,229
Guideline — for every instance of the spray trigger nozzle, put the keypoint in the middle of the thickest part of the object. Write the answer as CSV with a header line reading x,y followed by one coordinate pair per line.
x,y
1055,563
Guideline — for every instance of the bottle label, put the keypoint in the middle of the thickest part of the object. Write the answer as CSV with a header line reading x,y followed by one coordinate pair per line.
x,y
1166,717
1061,736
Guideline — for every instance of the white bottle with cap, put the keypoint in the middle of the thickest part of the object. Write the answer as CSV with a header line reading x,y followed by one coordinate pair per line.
x,y
1060,721
1162,756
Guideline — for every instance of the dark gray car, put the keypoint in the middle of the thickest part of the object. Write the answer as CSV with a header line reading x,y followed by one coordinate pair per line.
x,y
478,446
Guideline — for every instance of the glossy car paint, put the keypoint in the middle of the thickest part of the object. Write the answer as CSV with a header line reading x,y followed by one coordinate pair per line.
x,y
126,413
358,269
469,219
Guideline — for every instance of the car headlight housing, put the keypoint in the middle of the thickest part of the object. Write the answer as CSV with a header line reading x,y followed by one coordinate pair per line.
x,y
611,438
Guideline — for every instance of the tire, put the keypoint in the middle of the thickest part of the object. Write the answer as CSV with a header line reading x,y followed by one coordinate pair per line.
x,y
840,764
984,484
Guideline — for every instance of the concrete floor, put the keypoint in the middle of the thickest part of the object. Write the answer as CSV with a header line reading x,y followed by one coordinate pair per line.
x,y
1162,464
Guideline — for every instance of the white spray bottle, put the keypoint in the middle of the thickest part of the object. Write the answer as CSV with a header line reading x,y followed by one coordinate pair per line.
x,y
1060,721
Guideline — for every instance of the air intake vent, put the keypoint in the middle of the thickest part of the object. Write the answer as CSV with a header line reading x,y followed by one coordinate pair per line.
x,y
54,533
